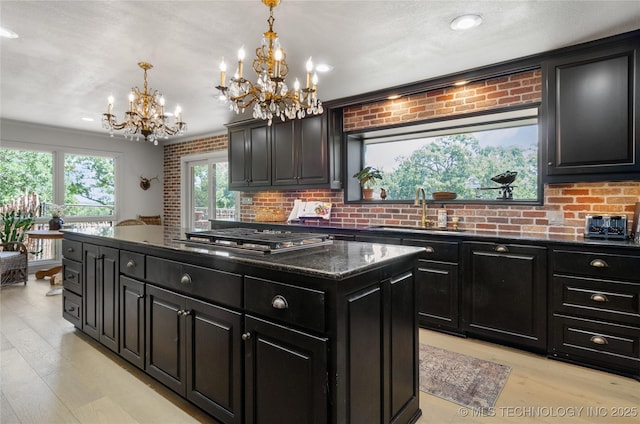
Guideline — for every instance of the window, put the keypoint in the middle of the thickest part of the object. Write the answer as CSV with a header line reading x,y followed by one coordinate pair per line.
x,y
207,194
460,155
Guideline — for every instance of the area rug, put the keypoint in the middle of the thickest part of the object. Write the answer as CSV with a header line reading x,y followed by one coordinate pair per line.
x,y
461,379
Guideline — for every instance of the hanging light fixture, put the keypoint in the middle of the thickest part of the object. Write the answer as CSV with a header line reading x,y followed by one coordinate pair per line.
x,y
270,95
146,116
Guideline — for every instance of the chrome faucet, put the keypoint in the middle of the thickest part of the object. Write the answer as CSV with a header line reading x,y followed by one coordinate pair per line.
x,y
423,220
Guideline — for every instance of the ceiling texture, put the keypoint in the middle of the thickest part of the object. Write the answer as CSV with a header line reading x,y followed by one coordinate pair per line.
x,y
71,55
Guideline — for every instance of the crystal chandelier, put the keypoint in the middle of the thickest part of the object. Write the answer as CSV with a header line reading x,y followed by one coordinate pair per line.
x,y
145,116
270,95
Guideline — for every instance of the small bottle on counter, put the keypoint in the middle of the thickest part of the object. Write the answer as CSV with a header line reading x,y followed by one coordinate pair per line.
x,y
442,217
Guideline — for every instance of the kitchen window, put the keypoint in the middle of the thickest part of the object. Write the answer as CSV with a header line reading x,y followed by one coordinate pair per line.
x,y
459,155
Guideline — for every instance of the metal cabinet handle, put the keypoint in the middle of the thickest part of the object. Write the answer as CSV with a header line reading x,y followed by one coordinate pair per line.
x,y
71,308
501,249
131,263
597,297
184,313
599,340
70,249
429,249
246,336
186,279
70,277
279,302
140,296
599,263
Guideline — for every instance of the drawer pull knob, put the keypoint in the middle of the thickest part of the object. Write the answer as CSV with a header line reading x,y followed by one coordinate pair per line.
x,y
599,340
70,249
597,297
184,313
71,309
599,263
430,249
279,302
246,336
131,264
186,279
502,249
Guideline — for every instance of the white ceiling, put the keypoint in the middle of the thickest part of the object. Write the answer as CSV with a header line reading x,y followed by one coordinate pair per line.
x,y
71,55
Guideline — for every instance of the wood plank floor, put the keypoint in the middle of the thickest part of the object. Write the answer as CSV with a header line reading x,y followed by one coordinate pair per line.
x,y
51,373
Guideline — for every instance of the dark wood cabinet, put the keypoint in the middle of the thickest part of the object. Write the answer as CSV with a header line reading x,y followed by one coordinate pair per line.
x,y
438,284
250,156
100,294
590,114
193,347
132,316
300,152
595,301
504,293
285,374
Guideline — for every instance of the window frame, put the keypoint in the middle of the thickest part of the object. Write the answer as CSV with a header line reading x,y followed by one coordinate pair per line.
x,y
354,154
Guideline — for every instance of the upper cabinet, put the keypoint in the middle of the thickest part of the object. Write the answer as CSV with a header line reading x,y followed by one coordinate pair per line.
x,y
249,156
591,113
299,152
294,154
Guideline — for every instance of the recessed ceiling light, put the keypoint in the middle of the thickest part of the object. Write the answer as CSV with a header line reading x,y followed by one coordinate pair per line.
x,y
461,82
394,97
323,67
464,22
87,119
7,33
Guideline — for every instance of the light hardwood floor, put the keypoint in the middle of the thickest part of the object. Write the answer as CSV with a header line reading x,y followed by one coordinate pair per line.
x,y
51,373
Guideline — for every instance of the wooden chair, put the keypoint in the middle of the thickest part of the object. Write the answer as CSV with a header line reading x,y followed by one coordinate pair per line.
x,y
150,219
14,260
130,222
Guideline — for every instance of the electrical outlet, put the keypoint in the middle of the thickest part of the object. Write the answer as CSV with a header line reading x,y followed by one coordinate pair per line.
x,y
555,217
246,201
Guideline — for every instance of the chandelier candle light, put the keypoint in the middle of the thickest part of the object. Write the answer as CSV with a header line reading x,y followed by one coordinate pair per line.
x,y
270,95
145,116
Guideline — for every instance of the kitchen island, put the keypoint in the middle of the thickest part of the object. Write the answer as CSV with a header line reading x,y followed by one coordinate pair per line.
x,y
325,334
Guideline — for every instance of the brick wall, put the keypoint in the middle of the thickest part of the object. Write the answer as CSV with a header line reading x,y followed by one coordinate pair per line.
x,y
173,153
565,205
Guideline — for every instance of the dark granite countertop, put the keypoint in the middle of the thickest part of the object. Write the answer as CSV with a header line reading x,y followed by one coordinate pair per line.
x,y
335,261
414,232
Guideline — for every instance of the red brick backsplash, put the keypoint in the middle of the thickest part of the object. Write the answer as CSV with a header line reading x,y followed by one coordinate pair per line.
x,y
512,90
563,211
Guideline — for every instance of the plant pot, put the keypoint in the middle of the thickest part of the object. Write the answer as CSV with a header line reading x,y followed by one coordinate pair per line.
x,y
367,193
55,223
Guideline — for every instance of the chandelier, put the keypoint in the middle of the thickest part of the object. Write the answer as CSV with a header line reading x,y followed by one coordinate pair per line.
x,y
146,115
270,95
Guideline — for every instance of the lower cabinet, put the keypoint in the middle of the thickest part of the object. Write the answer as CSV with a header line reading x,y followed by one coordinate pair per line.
x,y
285,374
132,342
194,348
504,293
100,294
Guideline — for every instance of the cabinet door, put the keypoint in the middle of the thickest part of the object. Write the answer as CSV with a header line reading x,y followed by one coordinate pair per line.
x,y
108,297
285,170
590,111
238,177
312,151
214,373
260,156
285,375
132,321
165,338
438,295
92,268
504,293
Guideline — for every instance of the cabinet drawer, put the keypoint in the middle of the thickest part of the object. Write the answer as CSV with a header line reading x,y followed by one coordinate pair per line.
x,y
72,249
610,345
596,264
608,300
208,284
72,276
72,308
443,251
132,264
294,305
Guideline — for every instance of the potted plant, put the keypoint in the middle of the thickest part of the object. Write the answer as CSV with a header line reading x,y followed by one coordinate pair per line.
x,y
15,225
367,177
56,211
